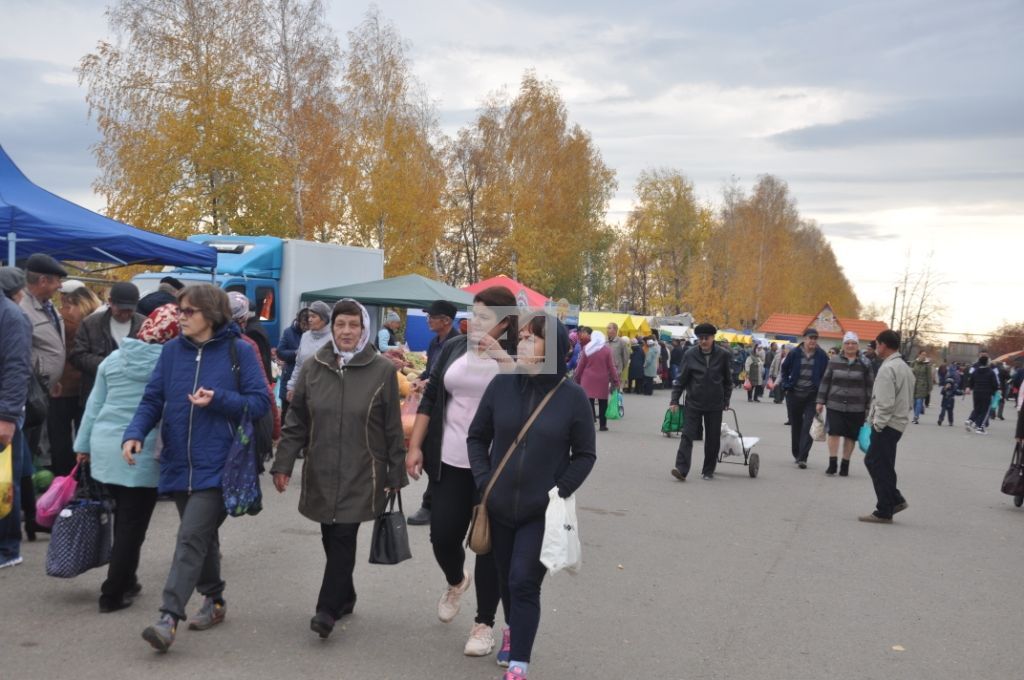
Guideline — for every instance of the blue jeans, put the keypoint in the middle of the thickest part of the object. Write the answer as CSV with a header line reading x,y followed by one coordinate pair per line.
x,y
10,526
918,408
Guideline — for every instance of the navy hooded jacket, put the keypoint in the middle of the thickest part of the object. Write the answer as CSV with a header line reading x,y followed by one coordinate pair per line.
x,y
15,360
559,449
196,440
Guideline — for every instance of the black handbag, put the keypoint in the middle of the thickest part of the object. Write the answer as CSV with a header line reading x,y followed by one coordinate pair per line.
x,y
390,544
1013,480
37,404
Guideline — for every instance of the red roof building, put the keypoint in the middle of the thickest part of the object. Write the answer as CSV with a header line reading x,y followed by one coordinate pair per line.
x,y
828,325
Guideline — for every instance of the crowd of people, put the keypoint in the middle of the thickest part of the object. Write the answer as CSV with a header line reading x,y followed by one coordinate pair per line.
x,y
91,384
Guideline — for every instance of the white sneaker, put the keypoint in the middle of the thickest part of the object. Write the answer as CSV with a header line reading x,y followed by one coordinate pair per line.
x,y
13,562
969,425
481,641
980,430
450,603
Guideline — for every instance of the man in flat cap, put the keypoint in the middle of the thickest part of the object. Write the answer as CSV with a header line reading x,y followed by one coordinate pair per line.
x,y
103,332
43,279
705,374
441,320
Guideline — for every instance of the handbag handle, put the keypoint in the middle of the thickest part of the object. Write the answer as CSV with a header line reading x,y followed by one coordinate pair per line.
x,y
517,440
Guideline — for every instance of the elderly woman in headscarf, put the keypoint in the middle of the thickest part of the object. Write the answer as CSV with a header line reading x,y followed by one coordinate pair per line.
x,y
345,389
120,383
316,336
594,373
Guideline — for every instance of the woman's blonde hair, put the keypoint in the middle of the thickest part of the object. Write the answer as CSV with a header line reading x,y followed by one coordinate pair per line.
x,y
82,298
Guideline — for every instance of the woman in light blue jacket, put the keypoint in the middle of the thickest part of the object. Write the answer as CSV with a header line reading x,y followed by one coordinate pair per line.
x,y
120,383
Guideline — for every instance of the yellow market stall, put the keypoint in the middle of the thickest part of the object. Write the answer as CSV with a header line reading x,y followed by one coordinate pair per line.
x,y
600,320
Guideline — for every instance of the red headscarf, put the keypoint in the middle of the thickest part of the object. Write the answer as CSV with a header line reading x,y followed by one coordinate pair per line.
x,y
161,325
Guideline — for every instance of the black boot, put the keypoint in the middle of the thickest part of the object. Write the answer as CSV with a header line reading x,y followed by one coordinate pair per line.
x,y
844,468
831,466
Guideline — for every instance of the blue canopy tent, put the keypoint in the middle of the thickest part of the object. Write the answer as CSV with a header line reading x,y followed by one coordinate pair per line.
x,y
46,223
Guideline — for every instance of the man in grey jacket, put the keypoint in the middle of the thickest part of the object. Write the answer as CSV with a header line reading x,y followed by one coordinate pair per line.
x,y
43,279
892,399
619,347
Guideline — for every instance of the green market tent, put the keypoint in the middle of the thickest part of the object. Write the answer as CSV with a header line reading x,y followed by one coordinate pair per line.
x,y
412,291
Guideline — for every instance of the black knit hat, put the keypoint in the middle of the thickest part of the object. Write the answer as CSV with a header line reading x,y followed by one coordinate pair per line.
x,y
705,329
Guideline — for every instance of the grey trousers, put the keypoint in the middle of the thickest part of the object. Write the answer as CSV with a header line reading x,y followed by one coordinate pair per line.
x,y
196,564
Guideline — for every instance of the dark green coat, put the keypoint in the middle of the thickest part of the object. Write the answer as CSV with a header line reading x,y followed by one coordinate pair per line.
x,y
351,418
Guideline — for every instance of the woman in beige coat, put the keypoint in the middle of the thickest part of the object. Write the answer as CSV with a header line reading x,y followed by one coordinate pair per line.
x,y
346,405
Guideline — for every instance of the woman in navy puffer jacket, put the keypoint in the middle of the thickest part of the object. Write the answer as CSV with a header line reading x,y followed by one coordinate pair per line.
x,y
200,399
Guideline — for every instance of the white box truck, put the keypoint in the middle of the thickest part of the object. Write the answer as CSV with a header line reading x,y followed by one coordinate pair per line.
x,y
274,272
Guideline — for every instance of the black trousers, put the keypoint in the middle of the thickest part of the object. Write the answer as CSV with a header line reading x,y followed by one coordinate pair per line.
x,y
337,591
455,495
982,401
800,407
517,554
63,419
600,408
881,463
648,385
133,510
712,425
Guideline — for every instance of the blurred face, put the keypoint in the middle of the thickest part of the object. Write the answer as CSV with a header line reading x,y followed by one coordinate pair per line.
x,y
304,322
811,342
530,351
194,325
71,313
484,323
439,322
347,329
850,348
584,337
316,322
120,314
706,342
46,287
613,331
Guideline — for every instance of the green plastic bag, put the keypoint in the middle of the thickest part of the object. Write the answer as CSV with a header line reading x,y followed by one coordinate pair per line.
x,y
673,422
616,408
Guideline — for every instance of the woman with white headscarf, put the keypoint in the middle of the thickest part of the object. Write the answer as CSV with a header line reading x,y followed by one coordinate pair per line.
x,y
345,413
594,373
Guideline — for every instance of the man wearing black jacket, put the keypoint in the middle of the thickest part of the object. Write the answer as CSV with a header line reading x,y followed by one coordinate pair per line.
x,y
706,376
102,332
982,382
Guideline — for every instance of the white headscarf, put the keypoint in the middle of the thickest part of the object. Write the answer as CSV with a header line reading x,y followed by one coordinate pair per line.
x,y
597,341
363,339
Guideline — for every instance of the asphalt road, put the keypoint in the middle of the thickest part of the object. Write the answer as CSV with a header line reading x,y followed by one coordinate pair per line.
x,y
763,578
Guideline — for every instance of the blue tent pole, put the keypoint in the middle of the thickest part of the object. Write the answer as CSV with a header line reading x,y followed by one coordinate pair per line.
x,y
11,248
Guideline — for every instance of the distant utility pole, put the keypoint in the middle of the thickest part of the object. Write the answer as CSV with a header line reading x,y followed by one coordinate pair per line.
x,y
892,320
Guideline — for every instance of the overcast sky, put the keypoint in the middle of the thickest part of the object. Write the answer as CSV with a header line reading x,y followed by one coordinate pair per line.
x,y
899,125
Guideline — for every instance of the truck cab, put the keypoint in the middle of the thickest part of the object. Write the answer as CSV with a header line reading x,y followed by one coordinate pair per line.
x,y
250,265
274,272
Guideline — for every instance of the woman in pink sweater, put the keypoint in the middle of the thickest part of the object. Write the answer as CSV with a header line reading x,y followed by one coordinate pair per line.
x,y
595,372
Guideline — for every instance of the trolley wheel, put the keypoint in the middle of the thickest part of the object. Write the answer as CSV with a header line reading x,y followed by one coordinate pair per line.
x,y
1018,501
754,464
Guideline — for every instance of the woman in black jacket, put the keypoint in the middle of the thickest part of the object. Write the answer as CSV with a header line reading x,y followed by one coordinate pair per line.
x,y
557,451
464,368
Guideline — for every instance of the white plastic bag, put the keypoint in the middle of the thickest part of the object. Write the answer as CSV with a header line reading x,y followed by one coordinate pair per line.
x,y
729,442
561,547
818,428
